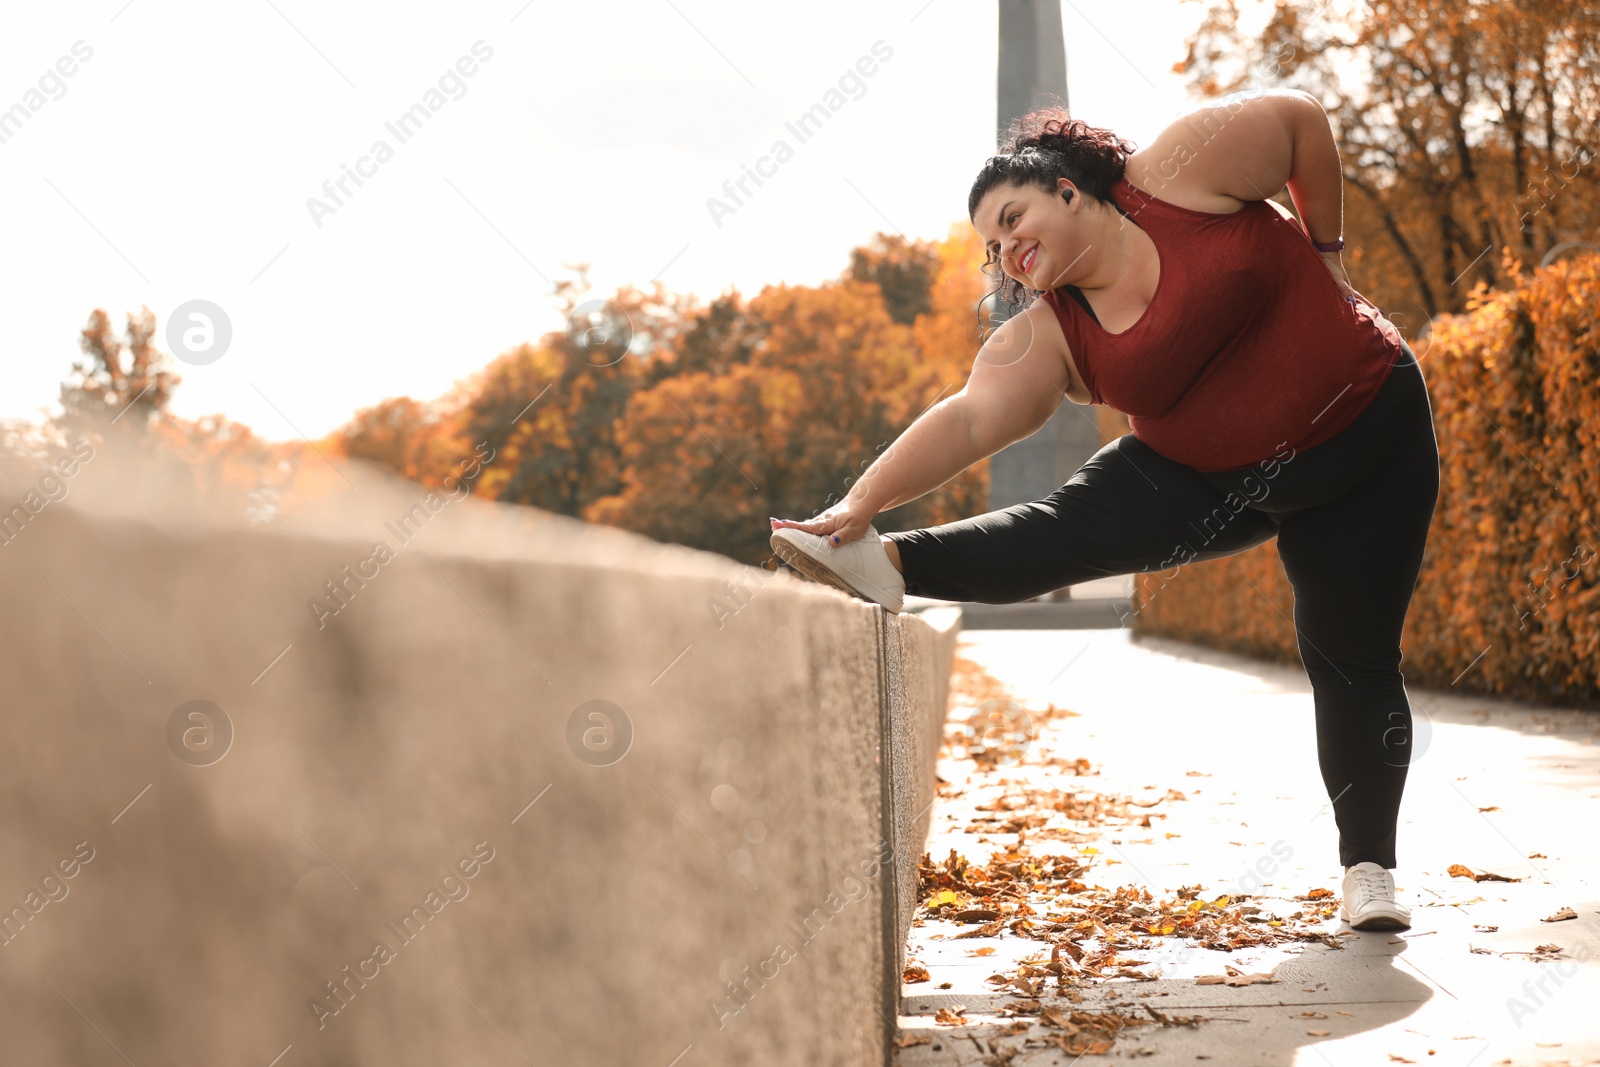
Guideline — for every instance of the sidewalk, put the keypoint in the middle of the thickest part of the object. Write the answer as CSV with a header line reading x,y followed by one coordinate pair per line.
x,y
1164,777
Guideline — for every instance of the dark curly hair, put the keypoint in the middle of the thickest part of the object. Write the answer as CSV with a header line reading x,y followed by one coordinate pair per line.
x,y
1039,148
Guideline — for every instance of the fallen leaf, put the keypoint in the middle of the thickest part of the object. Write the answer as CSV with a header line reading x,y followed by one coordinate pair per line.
x,y
1487,928
1490,808
986,950
951,1016
986,930
1056,1017
1067,1043
1313,1015
1027,988
1319,1033
1317,894
1461,870
1400,1059
1564,913
1234,979
916,973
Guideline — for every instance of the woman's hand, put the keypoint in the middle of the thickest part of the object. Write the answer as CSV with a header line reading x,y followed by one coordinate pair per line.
x,y
1335,264
844,522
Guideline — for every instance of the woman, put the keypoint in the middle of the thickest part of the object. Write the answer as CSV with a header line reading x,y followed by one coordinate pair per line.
x,y
1265,396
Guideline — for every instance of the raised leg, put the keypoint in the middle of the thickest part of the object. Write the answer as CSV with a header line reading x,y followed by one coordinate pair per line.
x,y
1127,510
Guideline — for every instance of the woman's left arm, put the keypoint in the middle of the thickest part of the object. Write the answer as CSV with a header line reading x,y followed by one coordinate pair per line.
x,y
1250,146
1316,181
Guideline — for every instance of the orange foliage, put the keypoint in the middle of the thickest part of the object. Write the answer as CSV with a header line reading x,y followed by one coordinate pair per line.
x,y
1462,129
716,416
831,379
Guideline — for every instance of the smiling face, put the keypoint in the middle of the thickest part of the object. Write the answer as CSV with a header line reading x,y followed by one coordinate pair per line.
x,y
1038,238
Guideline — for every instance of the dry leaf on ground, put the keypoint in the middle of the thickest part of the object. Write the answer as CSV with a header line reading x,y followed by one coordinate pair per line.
x,y
1564,913
1234,979
1461,870
1057,1017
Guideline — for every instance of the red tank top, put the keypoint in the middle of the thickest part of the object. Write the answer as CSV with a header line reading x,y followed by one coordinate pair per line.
x,y
1246,346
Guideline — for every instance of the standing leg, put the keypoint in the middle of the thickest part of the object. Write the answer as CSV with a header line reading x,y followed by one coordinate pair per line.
x,y
1353,562
1127,510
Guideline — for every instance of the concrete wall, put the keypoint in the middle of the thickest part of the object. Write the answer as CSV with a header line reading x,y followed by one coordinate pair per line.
x,y
417,753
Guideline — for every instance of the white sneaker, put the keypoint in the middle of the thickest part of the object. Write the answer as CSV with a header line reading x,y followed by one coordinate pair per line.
x,y
860,567
1369,902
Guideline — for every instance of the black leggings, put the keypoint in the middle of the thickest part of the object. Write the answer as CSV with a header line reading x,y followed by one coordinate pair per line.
x,y
1351,516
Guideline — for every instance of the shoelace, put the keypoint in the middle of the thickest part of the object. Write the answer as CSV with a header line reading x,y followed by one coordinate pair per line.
x,y
1371,884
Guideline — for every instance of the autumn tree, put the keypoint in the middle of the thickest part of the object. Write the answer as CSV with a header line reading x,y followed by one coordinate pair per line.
x,y
551,410
903,271
825,380
398,433
692,423
724,336
117,381
1464,129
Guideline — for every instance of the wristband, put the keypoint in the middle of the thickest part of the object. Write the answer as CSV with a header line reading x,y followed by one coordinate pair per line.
x,y
1335,245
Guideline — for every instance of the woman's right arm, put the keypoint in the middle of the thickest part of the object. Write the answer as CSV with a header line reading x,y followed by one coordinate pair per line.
x,y
1018,380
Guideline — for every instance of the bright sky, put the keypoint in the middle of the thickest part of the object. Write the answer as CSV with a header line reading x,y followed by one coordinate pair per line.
x,y
175,164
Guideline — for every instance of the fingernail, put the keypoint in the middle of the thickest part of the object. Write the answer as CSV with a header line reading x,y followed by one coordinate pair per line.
x,y
835,538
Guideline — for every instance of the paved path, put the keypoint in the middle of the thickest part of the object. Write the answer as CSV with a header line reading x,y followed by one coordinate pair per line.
x,y
1497,787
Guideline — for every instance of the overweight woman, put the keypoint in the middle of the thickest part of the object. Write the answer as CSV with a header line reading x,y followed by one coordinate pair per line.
x,y
1266,398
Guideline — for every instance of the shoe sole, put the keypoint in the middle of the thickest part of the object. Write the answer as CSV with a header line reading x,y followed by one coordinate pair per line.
x,y
795,557
1376,922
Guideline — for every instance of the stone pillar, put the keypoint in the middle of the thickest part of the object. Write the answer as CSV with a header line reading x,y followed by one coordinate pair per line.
x,y
1033,73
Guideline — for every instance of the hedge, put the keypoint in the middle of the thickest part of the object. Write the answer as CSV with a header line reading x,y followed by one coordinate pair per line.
x,y
1507,600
